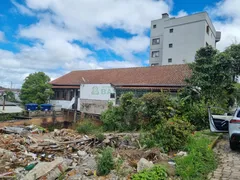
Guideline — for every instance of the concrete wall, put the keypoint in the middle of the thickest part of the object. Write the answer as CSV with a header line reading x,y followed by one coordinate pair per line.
x,y
93,106
189,35
94,98
186,40
60,103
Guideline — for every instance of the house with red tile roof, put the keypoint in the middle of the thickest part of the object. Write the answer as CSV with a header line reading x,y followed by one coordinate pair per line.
x,y
138,80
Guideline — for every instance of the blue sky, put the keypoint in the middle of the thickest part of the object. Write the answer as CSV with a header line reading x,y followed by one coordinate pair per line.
x,y
58,36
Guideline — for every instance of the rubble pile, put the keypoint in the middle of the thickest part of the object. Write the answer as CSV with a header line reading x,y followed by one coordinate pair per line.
x,y
30,152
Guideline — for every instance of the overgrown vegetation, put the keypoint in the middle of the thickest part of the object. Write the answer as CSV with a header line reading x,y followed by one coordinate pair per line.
x,y
87,126
157,173
6,117
170,135
9,96
105,162
200,159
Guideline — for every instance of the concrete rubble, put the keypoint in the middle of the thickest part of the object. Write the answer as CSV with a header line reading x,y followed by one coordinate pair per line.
x,y
30,152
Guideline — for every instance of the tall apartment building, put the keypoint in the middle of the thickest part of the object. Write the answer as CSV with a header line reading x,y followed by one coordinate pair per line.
x,y
176,40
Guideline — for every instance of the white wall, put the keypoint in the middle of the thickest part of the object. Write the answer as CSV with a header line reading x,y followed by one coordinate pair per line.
x,y
186,40
97,92
94,98
189,35
60,103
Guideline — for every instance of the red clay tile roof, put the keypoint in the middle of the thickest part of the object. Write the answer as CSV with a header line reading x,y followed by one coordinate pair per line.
x,y
156,75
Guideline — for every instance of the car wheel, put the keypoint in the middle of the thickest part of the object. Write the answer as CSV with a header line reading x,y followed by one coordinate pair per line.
x,y
233,145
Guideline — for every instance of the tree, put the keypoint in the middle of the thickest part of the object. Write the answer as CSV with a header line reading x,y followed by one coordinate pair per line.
x,y
36,89
234,52
10,96
212,73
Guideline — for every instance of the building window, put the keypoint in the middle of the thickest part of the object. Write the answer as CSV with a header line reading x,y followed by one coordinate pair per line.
x,y
207,44
171,30
154,26
112,95
154,64
156,41
155,54
170,45
207,29
169,60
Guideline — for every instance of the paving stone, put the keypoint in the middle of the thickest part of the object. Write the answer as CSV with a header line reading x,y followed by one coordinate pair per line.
x,y
229,162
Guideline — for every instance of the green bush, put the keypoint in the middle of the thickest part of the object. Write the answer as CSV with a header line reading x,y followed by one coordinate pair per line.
x,y
170,135
200,160
105,162
156,107
124,117
156,173
87,127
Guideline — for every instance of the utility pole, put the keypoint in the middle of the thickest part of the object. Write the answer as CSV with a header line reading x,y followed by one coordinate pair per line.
x,y
4,99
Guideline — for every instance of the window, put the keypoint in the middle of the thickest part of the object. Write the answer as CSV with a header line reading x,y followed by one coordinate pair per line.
x,y
154,64
155,54
112,95
169,60
207,44
156,41
171,30
154,26
207,29
170,45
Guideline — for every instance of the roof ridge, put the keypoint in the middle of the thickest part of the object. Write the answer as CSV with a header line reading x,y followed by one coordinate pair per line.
x,y
130,67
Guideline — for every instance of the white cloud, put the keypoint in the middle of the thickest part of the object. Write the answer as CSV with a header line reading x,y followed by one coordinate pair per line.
x,y
229,25
63,27
182,13
22,9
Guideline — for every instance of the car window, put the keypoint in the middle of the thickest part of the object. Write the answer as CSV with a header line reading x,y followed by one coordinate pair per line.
x,y
238,114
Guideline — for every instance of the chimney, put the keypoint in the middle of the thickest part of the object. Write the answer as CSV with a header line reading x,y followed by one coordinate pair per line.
x,y
165,15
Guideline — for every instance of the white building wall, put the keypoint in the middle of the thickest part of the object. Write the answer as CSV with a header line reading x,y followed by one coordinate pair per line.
x,y
189,35
183,49
94,98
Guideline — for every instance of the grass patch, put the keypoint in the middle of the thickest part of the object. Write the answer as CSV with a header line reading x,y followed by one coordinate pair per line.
x,y
87,126
201,158
157,172
105,162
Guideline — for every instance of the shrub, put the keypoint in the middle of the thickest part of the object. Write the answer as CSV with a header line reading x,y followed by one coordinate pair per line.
x,y
105,162
170,135
199,162
156,107
156,173
100,136
87,127
124,117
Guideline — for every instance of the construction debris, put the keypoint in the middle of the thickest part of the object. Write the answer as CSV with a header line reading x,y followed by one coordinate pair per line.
x,y
30,152
144,164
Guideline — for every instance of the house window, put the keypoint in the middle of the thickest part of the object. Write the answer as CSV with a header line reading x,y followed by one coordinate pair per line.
x,y
156,41
169,60
155,54
154,26
154,64
64,94
112,95
171,30
207,44
170,45
207,29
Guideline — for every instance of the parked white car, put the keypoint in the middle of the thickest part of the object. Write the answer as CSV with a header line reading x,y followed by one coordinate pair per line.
x,y
227,123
